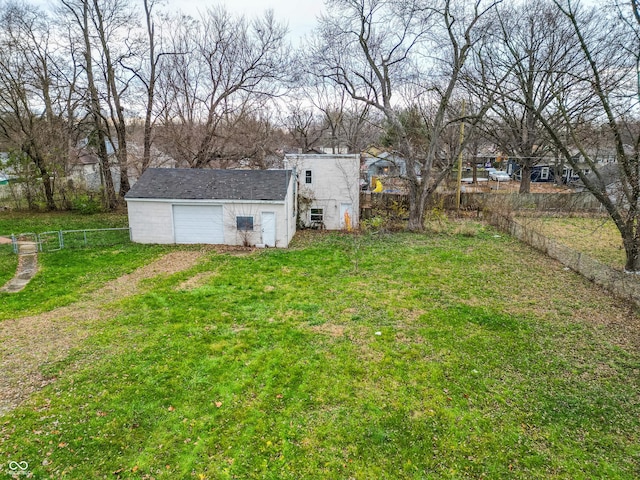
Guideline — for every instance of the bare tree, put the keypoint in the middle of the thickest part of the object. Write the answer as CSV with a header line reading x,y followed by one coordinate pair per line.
x,y
305,125
153,59
227,65
80,15
32,93
112,21
520,64
374,49
599,91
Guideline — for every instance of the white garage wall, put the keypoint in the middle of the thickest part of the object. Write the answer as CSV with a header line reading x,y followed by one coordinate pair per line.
x,y
151,221
234,237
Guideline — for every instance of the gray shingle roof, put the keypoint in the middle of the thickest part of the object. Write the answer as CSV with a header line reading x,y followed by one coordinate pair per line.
x,y
201,184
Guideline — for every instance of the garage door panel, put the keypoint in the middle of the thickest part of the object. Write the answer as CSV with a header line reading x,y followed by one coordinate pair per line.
x,y
198,224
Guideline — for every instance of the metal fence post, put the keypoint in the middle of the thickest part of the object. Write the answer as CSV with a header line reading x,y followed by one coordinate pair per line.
x,y
61,239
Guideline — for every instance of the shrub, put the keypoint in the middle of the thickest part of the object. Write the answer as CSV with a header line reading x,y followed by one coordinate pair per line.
x,y
86,205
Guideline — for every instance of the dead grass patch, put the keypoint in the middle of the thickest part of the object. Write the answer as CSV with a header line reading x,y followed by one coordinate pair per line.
x,y
328,328
196,281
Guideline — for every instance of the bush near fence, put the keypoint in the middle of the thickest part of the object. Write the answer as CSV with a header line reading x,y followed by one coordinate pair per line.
x,y
621,284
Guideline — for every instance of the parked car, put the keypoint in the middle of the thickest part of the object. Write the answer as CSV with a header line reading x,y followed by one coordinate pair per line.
x,y
499,176
490,171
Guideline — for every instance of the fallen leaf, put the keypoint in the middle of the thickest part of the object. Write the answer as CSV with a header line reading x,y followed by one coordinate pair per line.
x,y
279,395
62,444
218,404
171,408
135,469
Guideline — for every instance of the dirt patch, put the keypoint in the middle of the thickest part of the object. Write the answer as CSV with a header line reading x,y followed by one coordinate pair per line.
x,y
330,329
28,343
196,281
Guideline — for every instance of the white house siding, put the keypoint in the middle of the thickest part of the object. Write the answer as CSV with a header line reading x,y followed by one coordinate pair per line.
x,y
152,221
252,209
334,181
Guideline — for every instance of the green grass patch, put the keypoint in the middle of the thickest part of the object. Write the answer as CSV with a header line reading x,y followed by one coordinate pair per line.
x,y
34,222
596,237
442,356
65,275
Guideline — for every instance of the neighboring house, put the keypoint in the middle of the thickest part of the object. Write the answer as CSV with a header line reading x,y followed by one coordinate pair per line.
x,y
84,167
607,179
231,207
328,189
542,172
85,171
384,164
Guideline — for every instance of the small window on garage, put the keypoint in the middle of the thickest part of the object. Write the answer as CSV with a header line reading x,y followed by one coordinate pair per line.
x,y
317,215
244,224
307,176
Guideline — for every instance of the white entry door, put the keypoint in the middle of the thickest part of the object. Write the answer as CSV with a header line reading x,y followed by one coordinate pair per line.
x,y
269,229
346,216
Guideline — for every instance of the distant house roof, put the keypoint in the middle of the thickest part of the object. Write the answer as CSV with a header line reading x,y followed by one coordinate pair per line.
x,y
607,175
201,184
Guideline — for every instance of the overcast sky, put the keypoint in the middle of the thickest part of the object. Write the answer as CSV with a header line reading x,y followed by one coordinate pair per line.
x,y
300,15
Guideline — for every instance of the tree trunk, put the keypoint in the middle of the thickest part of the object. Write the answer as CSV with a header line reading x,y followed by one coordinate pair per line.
x,y
416,214
103,156
416,217
32,152
105,173
631,241
48,191
525,182
148,125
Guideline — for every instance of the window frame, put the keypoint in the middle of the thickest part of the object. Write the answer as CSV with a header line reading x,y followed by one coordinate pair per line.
x,y
319,214
545,173
308,177
241,219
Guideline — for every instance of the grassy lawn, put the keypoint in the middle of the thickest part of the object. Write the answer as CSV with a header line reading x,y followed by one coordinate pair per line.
x,y
597,237
67,274
443,356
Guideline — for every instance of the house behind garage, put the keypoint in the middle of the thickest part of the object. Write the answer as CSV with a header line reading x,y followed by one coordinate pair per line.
x,y
231,207
328,188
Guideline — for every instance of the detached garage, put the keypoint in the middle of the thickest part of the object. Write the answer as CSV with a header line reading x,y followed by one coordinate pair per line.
x,y
232,207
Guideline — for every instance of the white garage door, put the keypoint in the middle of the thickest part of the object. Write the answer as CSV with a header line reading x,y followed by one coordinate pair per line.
x,y
198,224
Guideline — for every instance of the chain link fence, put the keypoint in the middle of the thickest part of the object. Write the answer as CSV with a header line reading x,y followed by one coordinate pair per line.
x,y
57,240
622,284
